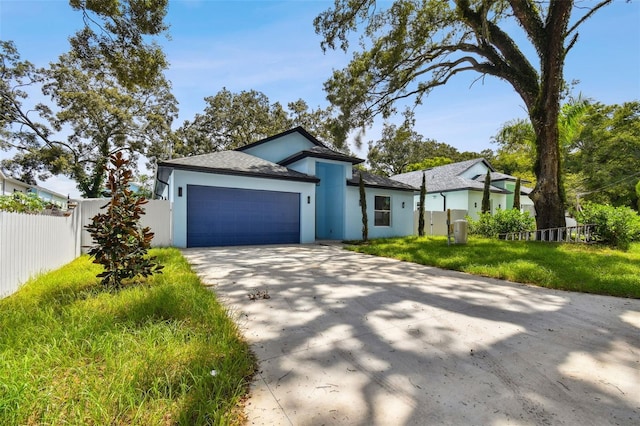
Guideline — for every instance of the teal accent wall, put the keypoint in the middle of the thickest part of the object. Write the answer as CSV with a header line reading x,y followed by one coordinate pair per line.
x,y
330,201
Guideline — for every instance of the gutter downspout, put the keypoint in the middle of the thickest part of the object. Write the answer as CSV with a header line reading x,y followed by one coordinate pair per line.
x,y
445,202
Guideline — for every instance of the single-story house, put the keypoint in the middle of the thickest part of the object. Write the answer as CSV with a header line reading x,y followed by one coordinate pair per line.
x,y
288,188
9,185
459,186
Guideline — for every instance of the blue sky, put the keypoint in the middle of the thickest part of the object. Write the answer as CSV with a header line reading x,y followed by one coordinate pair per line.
x,y
271,46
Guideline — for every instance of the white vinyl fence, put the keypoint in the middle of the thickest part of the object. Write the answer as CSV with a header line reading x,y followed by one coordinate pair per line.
x,y
33,244
157,217
435,222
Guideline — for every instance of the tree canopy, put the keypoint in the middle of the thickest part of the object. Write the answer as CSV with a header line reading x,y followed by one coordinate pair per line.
x,y
108,93
91,116
599,146
401,149
412,46
605,154
231,120
119,32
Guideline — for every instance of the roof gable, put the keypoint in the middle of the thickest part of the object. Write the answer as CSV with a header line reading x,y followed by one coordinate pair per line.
x,y
283,145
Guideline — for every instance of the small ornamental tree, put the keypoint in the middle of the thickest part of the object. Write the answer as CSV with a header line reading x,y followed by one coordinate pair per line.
x,y
121,243
516,195
363,207
423,194
486,194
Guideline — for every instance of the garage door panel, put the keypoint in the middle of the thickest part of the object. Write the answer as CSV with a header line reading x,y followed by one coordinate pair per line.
x,y
219,216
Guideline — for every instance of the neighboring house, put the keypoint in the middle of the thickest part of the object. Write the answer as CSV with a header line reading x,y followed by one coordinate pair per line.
x,y
9,185
459,186
288,188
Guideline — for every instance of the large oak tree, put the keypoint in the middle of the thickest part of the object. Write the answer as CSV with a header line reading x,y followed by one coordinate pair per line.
x,y
231,120
91,116
413,46
121,33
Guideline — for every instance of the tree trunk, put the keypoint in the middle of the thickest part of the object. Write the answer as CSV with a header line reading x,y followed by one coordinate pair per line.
x,y
548,195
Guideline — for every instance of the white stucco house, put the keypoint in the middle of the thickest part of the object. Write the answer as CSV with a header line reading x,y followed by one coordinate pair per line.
x,y
288,188
459,186
9,185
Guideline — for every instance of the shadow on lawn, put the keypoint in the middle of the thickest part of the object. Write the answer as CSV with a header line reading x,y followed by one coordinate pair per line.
x,y
421,345
549,265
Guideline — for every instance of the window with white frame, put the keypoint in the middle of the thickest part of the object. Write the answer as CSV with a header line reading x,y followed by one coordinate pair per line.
x,y
382,210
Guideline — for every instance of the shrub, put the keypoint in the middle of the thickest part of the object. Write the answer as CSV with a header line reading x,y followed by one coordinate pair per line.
x,y
22,203
615,226
502,222
513,221
122,243
483,226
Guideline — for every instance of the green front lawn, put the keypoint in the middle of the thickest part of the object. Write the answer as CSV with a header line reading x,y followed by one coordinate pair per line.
x,y
574,267
71,353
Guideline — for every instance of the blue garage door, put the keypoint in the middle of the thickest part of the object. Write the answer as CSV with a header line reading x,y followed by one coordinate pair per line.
x,y
229,216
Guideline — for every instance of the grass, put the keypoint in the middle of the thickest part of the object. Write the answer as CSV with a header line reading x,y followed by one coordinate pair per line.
x,y
71,353
573,267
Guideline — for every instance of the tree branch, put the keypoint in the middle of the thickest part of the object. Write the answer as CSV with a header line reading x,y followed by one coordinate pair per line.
x,y
587,16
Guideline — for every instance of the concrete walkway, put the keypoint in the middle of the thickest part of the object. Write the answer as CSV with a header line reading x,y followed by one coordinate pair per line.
x,y
351,339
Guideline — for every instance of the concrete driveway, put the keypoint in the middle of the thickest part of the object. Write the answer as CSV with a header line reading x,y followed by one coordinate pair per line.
x,y
351,339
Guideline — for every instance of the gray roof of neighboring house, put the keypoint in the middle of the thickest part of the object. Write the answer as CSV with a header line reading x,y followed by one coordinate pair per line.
x,y
235,163
376,181
321,152
497,176
446,178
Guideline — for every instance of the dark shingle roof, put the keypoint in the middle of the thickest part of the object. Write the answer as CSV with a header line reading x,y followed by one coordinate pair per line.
x,y
497,176
236,163
375,181
320,152
446,178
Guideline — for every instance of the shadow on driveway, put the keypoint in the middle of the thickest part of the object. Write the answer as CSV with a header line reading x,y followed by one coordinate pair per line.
x,y
352,339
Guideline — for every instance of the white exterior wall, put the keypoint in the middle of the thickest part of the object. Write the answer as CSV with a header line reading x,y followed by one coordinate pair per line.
x,y
182,178
456,200
499,202
11,187
278,149
475,204
433,202
401,218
